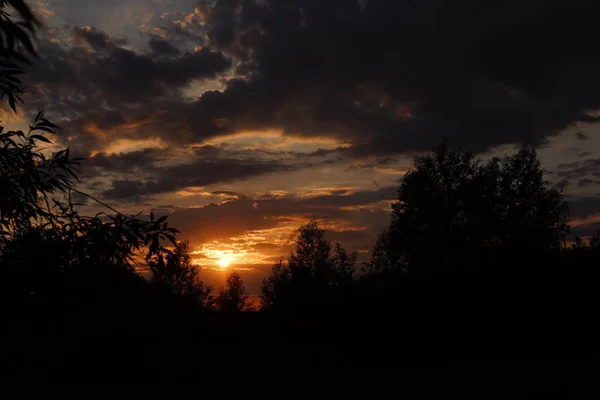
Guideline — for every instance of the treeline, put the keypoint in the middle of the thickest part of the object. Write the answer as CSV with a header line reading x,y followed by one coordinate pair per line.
x,y
475,263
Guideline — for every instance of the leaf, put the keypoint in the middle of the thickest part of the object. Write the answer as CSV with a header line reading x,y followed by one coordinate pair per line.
x,y
42,128
47,123
40,138
12,101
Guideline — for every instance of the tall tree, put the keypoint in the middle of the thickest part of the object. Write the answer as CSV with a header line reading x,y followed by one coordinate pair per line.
x,y
456,211
312,275
177,273
233,297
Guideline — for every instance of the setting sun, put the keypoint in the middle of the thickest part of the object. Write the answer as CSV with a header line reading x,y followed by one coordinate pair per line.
x,y
224,262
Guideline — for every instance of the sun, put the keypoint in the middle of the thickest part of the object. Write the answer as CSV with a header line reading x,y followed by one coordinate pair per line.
x,y
224,262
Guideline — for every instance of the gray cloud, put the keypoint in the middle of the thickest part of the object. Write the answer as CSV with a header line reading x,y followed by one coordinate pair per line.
x,y
587,182
486,75
163,47
201,172
328,69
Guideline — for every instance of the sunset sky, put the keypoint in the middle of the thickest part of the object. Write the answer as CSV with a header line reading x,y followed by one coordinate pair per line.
x,y
243,119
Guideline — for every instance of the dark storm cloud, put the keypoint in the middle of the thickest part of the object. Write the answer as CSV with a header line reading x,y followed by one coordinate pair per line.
x,y
485,73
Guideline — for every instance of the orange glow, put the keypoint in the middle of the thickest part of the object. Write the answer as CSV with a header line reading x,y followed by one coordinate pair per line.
x,y
405,111
272,139
224,262
590,219
259,247
129,145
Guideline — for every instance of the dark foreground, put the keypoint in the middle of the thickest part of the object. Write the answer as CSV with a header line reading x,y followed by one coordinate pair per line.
x,y
538,331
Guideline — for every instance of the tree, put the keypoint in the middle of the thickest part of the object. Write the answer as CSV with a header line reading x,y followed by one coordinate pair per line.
x,y
312,275
180,276
233,297
41,232
455,211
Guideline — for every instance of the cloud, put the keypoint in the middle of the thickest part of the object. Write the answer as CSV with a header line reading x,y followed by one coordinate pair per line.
x,y
587,182
97,40
163,47
374,74
200,172
93,85
357,198
486,75
264,212
581,136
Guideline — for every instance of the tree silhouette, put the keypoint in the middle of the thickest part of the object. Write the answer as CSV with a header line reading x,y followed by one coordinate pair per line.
x,y
233,297
312,274
180,276
455,211
40,227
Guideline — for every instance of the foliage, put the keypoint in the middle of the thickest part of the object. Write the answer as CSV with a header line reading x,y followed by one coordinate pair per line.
x,y
455,211
233,297
16,46
179,275
39,224
312,274
36,200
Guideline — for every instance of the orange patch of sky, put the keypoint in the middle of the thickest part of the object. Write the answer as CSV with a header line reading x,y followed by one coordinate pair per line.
x,y
274,139
124,145
240,250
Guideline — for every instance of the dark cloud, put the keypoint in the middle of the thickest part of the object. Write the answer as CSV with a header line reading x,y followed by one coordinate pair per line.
x,y
142,161
385,76
562,184
358,198
116,88
236,217
125,189
581,136
201,172
583,207
480,73
580,169
587,182
163,47
378,162
96,39
585,154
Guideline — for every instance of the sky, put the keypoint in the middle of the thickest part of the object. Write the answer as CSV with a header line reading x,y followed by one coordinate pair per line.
x,y
244,119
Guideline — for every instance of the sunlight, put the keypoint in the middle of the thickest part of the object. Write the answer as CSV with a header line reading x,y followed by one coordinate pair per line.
x,y
224,262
